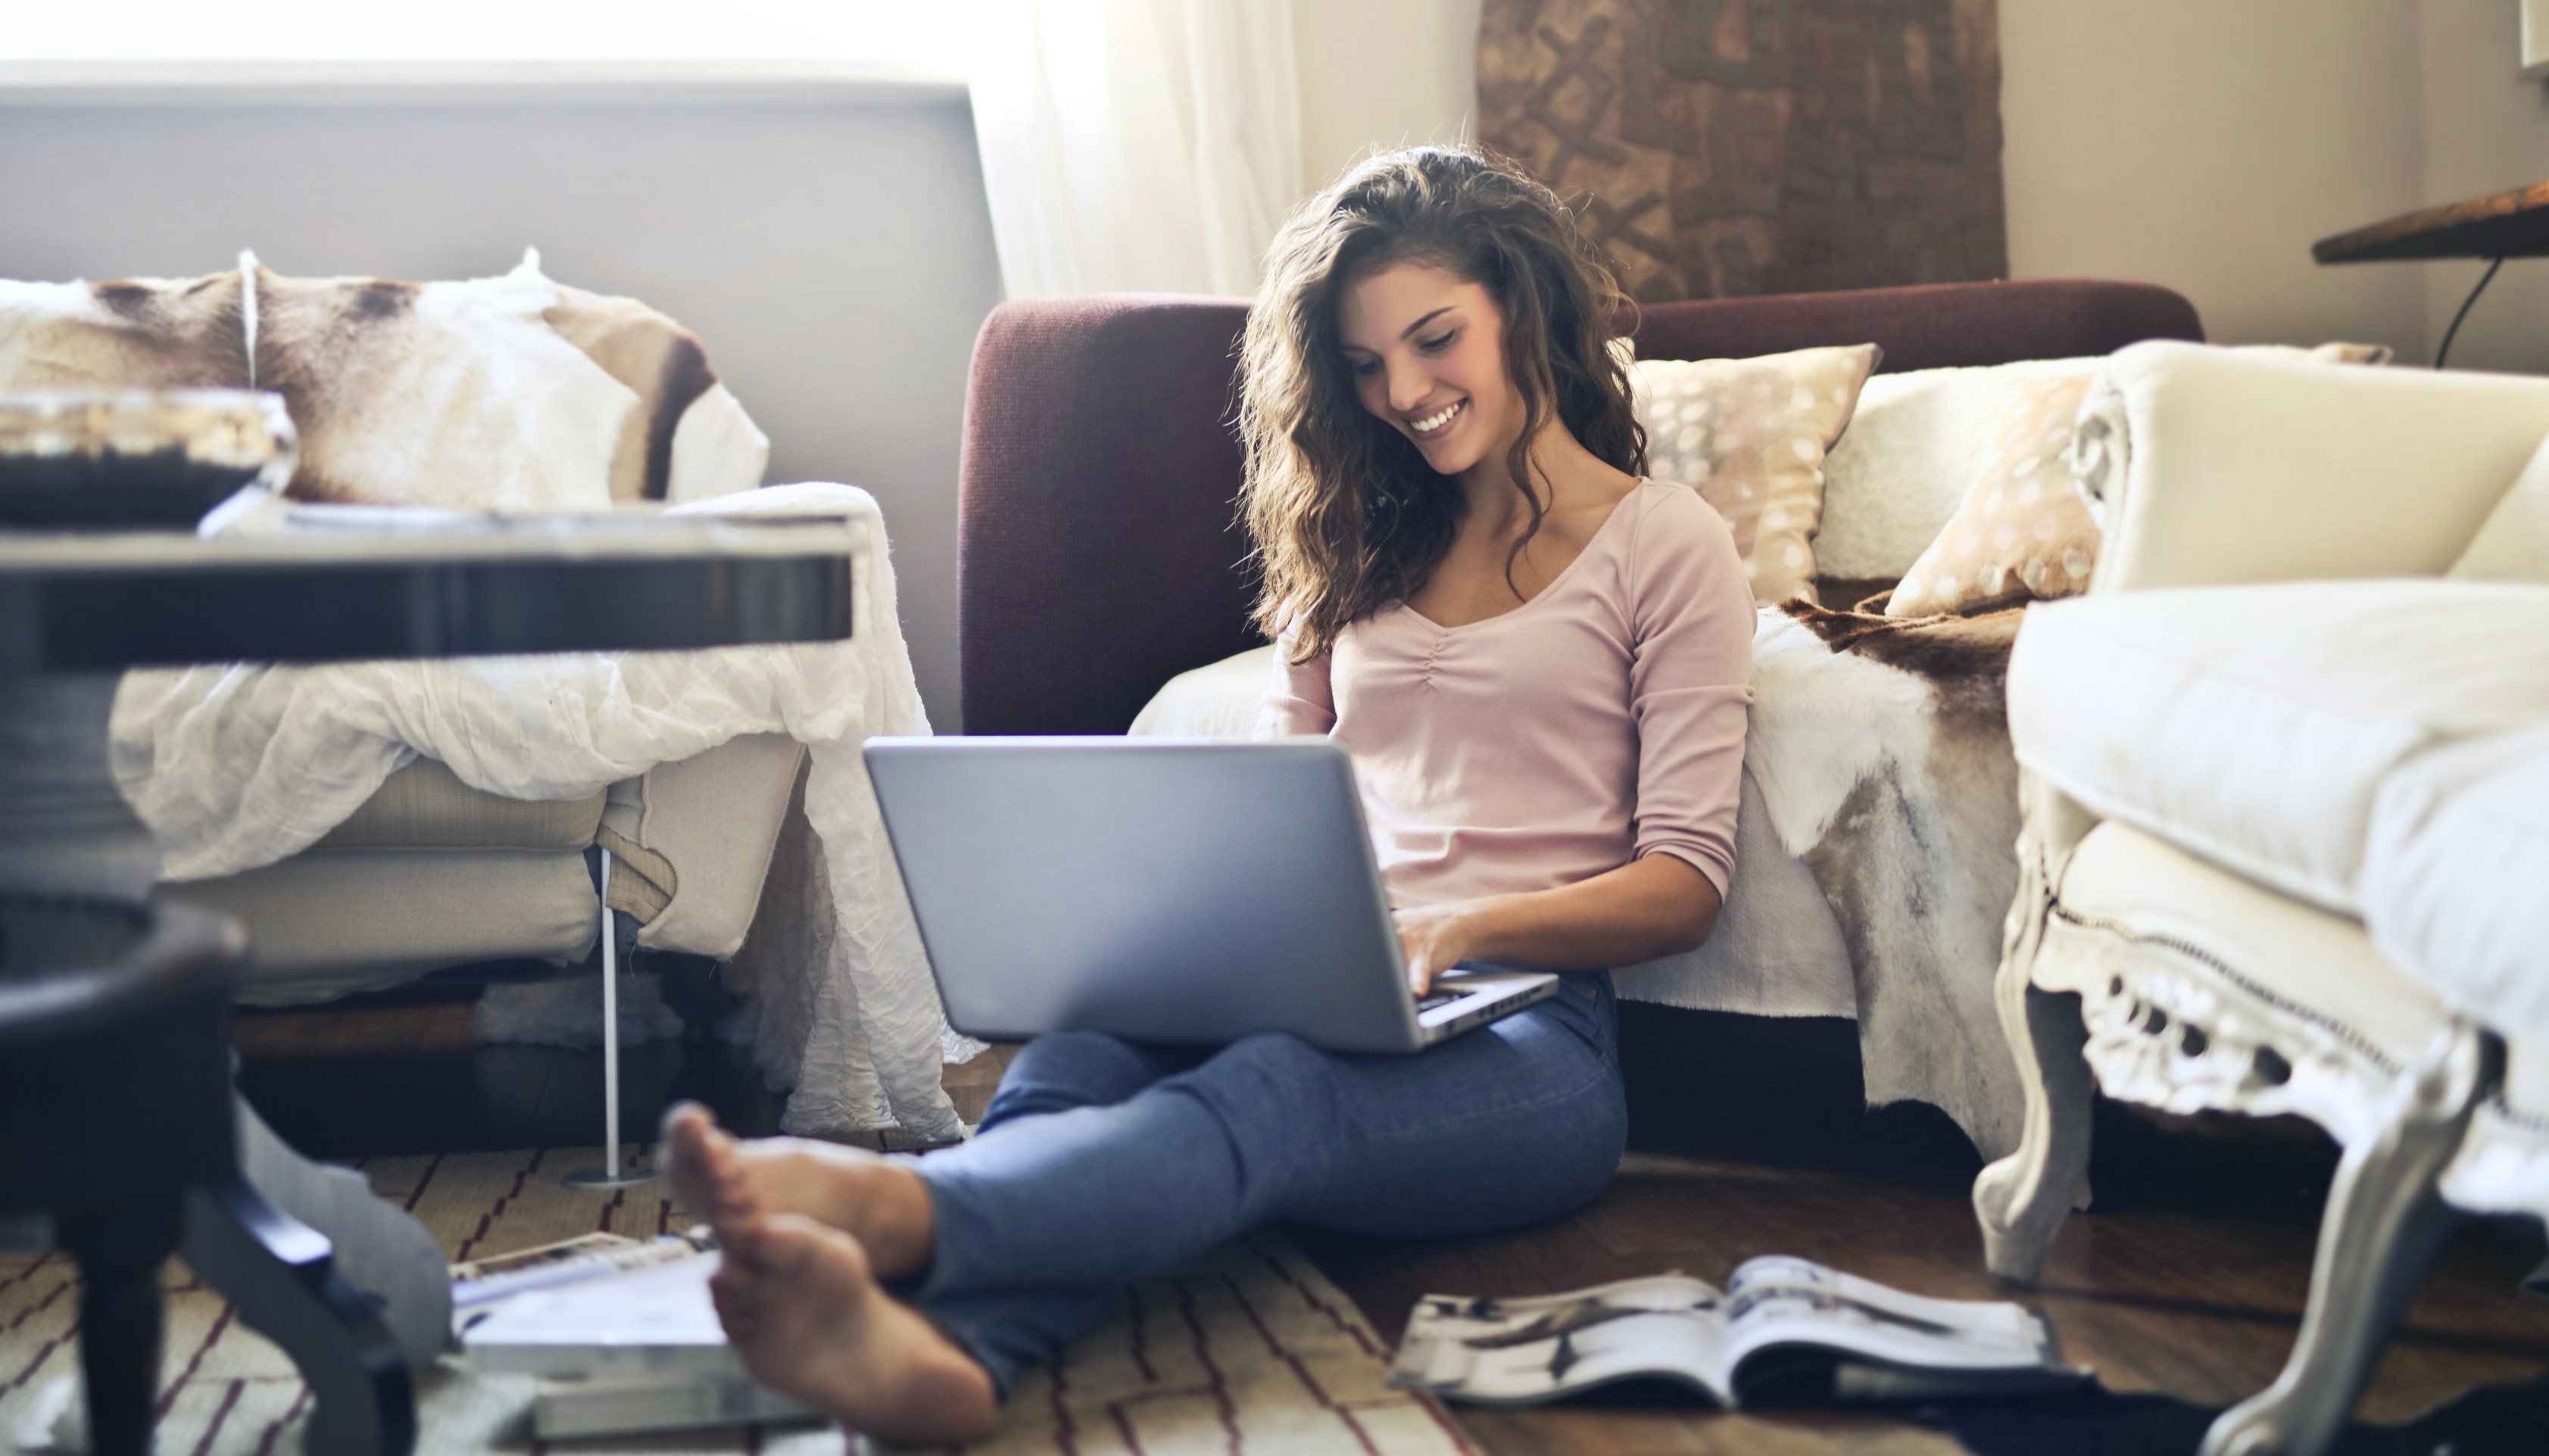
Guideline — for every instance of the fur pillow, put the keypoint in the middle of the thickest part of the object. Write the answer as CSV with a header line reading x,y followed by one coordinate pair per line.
x,y
1750,435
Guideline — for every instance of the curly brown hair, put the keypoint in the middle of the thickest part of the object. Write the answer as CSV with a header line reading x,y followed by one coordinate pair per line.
x,y
1344,514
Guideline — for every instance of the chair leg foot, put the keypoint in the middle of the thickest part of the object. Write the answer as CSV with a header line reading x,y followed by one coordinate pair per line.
x,y
282,1276
2384,1223
2022,1199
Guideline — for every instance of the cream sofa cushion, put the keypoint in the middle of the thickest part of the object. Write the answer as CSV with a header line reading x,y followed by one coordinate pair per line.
x,y
321,926
698,835
2246,467
2512,543
2456,877
2255,725
427,806
2132,883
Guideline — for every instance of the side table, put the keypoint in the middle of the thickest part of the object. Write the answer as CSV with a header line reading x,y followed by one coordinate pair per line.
x,y
117,1118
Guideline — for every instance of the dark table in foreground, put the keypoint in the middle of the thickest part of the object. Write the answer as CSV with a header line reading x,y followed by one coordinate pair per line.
x,y
117,1113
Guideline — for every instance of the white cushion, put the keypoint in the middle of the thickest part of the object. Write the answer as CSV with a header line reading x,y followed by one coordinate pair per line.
x,y
2137,884
2456,877
1903,465
2254,725
1216,701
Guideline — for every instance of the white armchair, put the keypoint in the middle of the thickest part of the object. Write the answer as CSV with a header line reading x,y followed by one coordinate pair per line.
x,y
2279,782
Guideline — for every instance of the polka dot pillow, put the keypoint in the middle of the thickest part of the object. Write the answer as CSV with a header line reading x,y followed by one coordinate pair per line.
x,y
2023,530
1750,435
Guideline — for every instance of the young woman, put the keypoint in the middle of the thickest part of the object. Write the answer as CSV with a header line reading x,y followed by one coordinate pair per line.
x,y
1540,662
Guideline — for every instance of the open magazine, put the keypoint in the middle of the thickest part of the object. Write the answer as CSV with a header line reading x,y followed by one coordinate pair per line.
x,y
1783,1330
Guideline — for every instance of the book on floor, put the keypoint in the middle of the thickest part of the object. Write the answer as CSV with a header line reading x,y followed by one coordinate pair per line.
x,y
596,1408
1784,1329
479,1282
621,1334
648,1322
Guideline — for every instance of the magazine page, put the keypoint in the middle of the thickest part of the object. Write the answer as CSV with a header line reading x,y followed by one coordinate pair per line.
x,y
654,1320
1518,1353
1789,1302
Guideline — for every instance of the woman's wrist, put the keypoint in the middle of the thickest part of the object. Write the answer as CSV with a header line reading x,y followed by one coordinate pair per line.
x,y
1485,929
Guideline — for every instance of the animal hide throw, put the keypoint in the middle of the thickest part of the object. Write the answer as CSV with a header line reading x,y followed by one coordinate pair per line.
x,y
511,394
1882,750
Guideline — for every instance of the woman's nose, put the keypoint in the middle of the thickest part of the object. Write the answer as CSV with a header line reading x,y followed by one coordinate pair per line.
x,y
1409,383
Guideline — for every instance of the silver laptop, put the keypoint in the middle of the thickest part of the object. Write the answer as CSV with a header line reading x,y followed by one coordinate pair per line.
x,y
1162,890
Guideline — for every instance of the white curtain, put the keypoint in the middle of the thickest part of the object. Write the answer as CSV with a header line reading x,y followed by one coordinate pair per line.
x,y
1137,145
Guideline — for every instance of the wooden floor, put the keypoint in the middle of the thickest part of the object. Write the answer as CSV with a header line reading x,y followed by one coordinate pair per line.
x,y
2193,1302
2187,1279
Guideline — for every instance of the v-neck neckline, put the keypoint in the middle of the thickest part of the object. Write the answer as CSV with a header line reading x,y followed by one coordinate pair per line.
x,y
1548,588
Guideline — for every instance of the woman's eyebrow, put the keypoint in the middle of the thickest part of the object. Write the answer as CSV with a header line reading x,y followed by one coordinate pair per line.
x,y
1409,329
1428,318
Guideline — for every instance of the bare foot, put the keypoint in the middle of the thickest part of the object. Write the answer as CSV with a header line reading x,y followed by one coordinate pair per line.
x,y
729,1181
803,1310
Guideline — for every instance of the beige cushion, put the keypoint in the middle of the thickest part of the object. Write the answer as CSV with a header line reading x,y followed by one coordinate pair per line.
x,y
2024,529
698,834
322,925
2249,468
427,806
1749,435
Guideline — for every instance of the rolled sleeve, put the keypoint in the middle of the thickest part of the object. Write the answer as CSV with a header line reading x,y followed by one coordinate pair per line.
x,y
1690,688
1300,701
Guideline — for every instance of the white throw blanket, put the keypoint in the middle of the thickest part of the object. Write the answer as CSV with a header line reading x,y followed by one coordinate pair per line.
x,y
236,767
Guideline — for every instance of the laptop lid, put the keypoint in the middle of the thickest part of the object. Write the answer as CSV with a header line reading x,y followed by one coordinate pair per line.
x,y
1160,889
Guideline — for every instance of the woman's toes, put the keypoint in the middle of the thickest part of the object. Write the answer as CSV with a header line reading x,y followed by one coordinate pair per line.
x,y
702,1162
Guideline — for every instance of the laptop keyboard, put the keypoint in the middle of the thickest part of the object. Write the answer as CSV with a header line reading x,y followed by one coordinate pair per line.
x,y
1433,999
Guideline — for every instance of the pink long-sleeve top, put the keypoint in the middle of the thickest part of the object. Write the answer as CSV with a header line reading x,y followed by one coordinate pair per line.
x,y
1597,723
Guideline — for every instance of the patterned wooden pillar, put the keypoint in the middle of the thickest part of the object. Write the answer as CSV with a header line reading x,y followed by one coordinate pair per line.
x,y
1726,148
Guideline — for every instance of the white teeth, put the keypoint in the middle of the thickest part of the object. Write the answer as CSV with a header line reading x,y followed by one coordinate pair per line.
x,y
1432,423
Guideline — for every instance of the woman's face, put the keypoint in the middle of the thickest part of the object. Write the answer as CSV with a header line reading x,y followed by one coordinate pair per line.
x,y
1428,356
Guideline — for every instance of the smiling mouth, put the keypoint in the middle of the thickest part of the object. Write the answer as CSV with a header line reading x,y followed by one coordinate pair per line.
x,y
1440,421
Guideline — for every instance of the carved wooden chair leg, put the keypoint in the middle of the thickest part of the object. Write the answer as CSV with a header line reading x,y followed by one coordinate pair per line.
x,y
2384,1223
2022,1199
282,1276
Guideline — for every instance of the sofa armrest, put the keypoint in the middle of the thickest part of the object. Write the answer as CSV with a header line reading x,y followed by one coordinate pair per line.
x,y
2245,468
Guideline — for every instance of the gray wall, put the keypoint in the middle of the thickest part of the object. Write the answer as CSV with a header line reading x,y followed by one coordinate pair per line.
x,y
835,257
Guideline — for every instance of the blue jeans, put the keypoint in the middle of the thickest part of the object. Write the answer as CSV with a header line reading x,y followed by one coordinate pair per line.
x,y
1100,1161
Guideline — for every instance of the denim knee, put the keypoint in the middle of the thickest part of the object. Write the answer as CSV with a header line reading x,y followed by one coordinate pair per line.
x,y
1272,1062
1061,1071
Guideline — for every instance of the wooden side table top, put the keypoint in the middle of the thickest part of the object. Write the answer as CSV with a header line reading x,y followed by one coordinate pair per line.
x,y
372,582
2501,225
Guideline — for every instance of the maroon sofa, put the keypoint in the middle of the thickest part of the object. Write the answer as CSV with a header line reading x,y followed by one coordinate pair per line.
x,y
1098,555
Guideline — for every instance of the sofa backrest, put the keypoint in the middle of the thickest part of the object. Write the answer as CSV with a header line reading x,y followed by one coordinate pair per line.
x,y
1098,554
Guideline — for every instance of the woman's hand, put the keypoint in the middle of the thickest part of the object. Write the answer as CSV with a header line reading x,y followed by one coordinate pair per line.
x,y
1659,905
1435,938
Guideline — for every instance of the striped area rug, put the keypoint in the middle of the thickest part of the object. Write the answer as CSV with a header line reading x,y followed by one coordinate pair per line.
x,y
1252,1352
